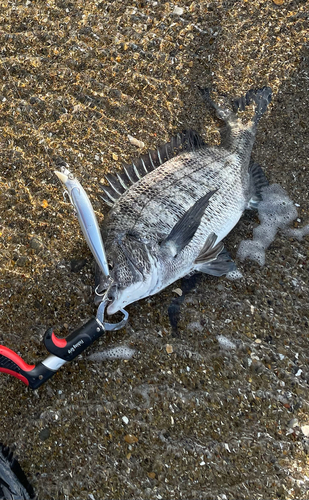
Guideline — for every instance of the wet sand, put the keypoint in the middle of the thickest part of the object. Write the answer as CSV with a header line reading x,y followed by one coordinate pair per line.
x,y
211,420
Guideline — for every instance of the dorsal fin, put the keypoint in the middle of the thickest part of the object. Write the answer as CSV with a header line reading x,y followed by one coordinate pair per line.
x,y
258,181
188,140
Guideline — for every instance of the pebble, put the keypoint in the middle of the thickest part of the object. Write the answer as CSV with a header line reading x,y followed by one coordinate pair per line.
x,y
22,261
293,423
305,430
178,291
44,434
136,142
129,438
125,420
169,348
178,11
36,244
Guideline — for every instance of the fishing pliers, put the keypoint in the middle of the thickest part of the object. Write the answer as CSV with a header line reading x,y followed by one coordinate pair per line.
x,y
61,349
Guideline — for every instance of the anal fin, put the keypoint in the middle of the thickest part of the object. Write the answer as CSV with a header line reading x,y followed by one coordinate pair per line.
x,y
209,252
223,264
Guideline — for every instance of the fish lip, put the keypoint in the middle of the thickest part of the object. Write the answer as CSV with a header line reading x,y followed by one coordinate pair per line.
x,y
110,309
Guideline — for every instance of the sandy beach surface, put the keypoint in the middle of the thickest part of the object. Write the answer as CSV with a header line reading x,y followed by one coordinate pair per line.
x,y
221,411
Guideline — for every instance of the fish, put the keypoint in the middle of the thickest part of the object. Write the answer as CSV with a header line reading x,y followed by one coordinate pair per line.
x,y
171,209
86,217
13,483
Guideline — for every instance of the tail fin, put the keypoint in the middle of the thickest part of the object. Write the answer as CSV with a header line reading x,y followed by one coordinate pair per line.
x,y
260,97
224,114
13,482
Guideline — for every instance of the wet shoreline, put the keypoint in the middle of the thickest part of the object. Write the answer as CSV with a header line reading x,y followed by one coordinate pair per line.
x,y
209,418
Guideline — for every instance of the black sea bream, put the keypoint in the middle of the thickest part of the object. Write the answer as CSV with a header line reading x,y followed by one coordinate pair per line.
x,y
172,208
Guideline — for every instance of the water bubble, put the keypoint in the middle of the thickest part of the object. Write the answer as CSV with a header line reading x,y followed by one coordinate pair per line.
x,y
276,211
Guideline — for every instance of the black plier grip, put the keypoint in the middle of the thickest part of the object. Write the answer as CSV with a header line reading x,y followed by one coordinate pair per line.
x,y
61,350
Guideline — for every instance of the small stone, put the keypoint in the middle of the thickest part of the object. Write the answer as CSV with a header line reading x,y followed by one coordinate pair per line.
x,y
169,348
293,423
44,434
77,108
136,142
44,203
36,244
178,291
305,430
114,156
129,438
22,261
278,2
152,475
125,420
178,11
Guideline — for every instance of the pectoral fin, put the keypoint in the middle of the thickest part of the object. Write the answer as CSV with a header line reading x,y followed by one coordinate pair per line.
x,y
183,232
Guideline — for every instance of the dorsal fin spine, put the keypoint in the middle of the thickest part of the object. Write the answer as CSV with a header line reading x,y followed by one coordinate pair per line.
x,y
159,156
128,175
144,166
188,140
112,185
106,191
151,160
106,200
120,179
136,171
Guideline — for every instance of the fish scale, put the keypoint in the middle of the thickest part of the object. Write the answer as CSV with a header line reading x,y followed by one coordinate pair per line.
x,y
171,221
156,202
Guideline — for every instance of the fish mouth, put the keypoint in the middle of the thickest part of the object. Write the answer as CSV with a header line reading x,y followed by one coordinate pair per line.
x,y
122,297
112,308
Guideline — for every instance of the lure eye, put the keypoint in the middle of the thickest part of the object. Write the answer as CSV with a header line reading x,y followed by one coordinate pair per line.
x,y
71,177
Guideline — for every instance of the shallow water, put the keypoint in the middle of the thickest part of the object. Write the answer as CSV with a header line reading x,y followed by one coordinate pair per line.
x,y
207,419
